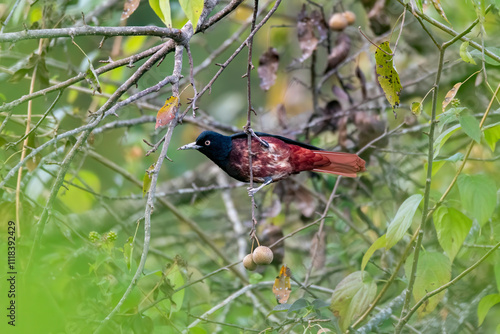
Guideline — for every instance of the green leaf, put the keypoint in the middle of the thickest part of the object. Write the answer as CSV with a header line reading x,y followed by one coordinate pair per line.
x,y
480,7
280,308
433,271
128,250
496,268
465,55
470,125
448,116
492,135
486,303
299,304
478,194
452,228
379,243
416,108
146,180
443,137
192,9
477,54
173,280
162,9
352,296
388,77
402,221
318,303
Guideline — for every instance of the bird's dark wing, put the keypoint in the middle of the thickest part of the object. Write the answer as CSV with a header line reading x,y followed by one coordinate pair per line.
x,y
286,140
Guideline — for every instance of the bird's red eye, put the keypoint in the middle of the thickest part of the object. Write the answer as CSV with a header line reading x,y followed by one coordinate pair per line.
x,y
207,142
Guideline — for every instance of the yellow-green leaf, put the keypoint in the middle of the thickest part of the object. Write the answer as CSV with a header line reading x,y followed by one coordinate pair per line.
x,y
492,135
146,182
388,77
402,221
478,194
162,9
486,303
433,271
470,125
439,142
352,296
452,227
128,250
192,9
465,54
379,243
416,108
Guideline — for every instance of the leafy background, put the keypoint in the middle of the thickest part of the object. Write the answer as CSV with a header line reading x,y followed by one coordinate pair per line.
x,y
71,278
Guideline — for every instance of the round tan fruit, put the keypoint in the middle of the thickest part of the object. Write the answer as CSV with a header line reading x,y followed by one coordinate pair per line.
x,y
248,263
262,255
349,16
337,22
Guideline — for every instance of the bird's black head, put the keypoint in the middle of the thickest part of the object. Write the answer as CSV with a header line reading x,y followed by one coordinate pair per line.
x,y
214,145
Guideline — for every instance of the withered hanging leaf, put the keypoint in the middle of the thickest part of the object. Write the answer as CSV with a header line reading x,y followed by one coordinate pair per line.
x,y
339,52
388,77
362,80
129,7
319,243
451,95
370,126
341,94
320,24
167,113
146,181
439,9
281,114
305,33
342,124
268,66
282,286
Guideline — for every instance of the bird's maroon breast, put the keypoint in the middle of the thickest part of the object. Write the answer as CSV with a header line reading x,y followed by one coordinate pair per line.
x,y
277,162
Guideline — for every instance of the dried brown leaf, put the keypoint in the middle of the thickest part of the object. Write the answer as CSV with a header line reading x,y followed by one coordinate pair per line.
x,y
129,7
451,95
268,66
339,52
320,24
342,125
319,243
167,113
282,118
362,80
439,9
305,34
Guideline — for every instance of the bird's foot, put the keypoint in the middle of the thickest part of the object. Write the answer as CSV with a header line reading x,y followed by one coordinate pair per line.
x,y
253,191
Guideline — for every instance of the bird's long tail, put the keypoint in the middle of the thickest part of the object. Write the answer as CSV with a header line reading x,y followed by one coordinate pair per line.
x,y
341,163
